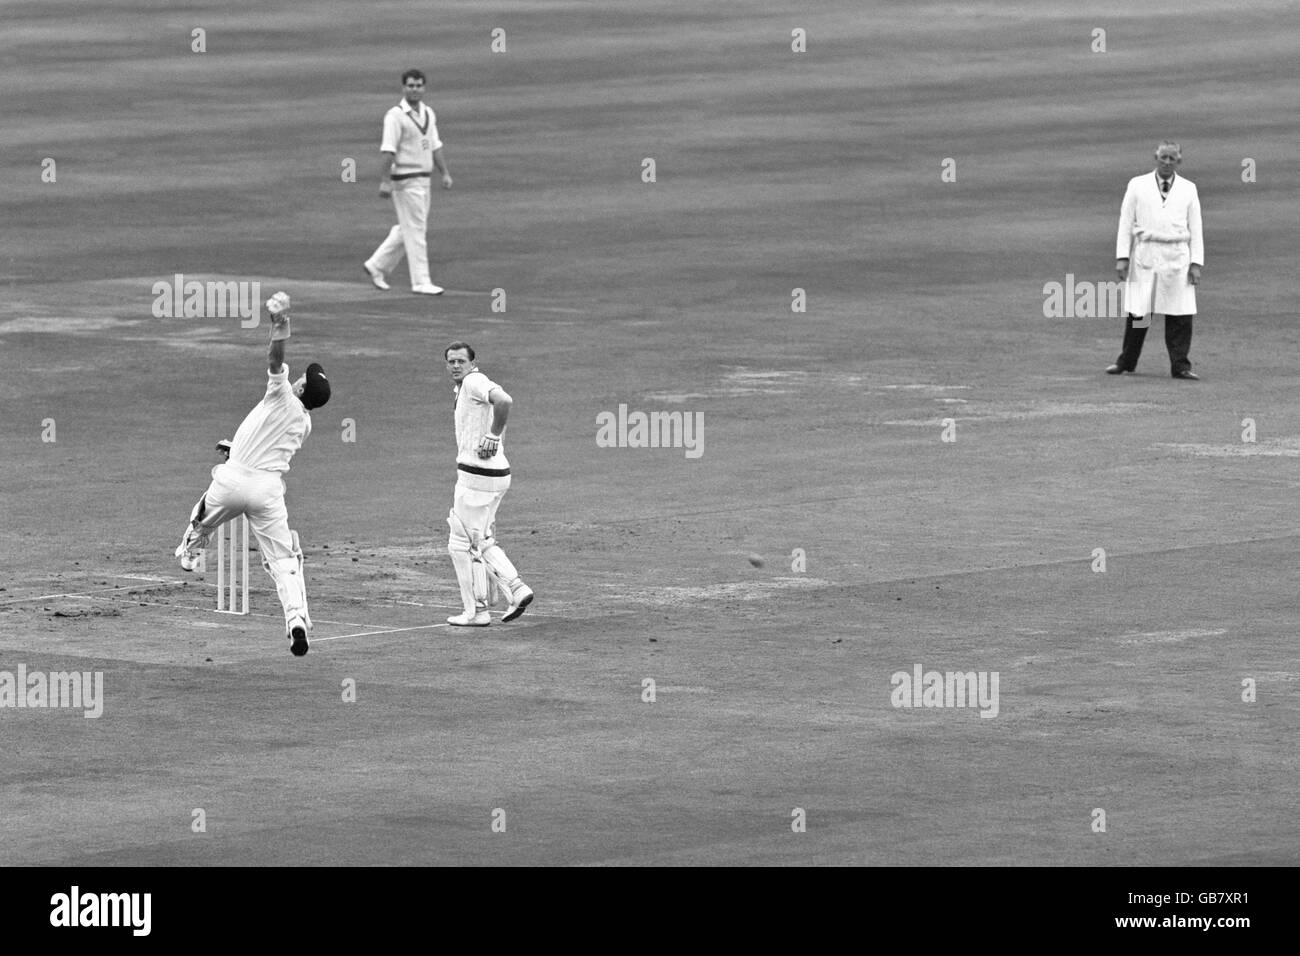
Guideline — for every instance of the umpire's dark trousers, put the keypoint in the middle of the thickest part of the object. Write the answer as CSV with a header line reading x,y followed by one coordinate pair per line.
x,y
1178,339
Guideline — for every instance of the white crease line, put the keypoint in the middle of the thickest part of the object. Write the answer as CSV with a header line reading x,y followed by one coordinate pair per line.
x,y
178,582
452,607
91,596
69,594
392,630
191,607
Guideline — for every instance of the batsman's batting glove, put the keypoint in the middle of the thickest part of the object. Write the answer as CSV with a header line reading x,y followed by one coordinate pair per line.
x,y
488,445
385,189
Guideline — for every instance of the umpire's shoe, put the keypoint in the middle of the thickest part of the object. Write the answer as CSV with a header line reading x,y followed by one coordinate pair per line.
x,y
520,598
298,635
1116,369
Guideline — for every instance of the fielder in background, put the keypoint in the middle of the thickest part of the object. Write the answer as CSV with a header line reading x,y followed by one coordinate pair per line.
x,y
482,479
409,151
1159,253
252,483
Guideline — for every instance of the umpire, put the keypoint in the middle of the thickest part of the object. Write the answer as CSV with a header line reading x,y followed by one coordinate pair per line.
x,y
1159,254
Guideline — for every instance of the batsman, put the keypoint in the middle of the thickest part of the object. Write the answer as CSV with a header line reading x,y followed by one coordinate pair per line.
x,y
482,479
251,482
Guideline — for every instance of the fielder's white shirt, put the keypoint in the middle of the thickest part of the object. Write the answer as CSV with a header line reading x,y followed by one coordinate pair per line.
x,y
412,137
474,420
275,429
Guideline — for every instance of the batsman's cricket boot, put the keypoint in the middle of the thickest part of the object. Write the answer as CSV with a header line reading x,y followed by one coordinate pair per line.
x,y
298,637
427,288
521,595
480,618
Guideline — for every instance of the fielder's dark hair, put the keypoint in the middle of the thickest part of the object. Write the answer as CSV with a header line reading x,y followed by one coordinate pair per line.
x,y
413,74
458,345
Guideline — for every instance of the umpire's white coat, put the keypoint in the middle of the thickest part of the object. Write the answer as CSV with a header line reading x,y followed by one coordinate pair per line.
x,y
1161,237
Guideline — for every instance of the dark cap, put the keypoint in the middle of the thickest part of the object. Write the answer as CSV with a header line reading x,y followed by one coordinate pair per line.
x,y
316,391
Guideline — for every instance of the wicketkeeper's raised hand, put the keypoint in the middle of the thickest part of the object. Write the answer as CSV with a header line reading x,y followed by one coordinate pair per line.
x,y
278,306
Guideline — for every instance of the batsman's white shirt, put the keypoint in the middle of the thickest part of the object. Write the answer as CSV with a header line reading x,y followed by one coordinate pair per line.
x,y
412,136
274,430
474,420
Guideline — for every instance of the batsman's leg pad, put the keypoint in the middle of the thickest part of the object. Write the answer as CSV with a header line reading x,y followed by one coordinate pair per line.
x,y
499,564
473,583
482,588
471,574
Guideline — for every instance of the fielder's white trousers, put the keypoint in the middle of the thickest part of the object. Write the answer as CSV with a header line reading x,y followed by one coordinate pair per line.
x,y
237,490
411,200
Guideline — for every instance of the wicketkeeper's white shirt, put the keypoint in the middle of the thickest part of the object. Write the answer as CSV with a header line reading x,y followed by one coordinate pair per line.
x,y
412,137
474,420
275,429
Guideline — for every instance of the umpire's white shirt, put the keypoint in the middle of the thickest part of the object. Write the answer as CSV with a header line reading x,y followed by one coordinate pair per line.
x,y
274,430
412,137
474,420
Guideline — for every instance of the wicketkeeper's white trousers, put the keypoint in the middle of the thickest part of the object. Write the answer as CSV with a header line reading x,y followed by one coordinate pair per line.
x,y
411,200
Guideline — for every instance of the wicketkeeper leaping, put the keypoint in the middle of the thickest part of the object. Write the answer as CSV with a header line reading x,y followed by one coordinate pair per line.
x,y
252,482
482,479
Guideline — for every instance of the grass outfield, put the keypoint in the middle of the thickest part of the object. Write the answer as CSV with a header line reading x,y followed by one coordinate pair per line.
x,y
885,547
